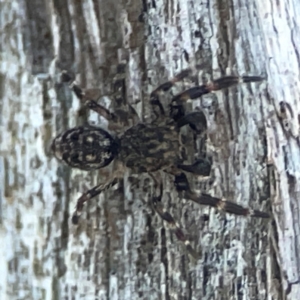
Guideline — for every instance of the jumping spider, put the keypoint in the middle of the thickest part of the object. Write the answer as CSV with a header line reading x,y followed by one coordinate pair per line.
x,y
150,147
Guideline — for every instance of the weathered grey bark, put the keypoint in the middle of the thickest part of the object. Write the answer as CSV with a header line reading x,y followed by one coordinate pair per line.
x,y
122,250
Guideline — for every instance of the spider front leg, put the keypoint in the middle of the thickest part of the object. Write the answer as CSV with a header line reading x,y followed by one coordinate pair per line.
x,y
154,96
95,191
177,110
89,98
201,166
182,186
197,122
215,85
167,217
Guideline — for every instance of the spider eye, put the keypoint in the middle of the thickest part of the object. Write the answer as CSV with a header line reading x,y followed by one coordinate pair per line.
x,y
75,158
72,159
74,137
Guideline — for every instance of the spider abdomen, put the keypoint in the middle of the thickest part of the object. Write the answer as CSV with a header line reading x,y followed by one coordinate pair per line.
x,y
85,147
148,148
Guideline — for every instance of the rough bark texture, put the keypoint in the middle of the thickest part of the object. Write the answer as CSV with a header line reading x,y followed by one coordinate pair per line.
x,y
122,250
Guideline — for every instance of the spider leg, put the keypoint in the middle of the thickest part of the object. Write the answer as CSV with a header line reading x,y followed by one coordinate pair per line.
x,y
215,85
154,96
200,167
182,186
95,191
193,118
167,217
89,98
196,120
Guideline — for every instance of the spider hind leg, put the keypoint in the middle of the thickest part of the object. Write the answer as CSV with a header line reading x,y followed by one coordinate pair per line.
x,y
166,86
196,120
167,217
182,186
118,119
201,166
174,227
217,84
93,192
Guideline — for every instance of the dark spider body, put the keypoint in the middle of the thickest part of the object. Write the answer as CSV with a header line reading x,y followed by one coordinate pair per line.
x,y
149,148
146,148
142,148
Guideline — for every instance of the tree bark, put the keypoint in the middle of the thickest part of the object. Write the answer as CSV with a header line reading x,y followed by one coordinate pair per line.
x,y
121,249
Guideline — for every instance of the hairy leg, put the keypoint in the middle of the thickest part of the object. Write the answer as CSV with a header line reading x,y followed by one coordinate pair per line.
x,y
89,98
95,191
182,186
215,85
177,111
167,217
200,167
166,86
174,227
196,120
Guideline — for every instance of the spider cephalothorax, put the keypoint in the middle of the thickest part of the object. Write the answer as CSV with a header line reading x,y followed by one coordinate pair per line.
x,y
146,147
